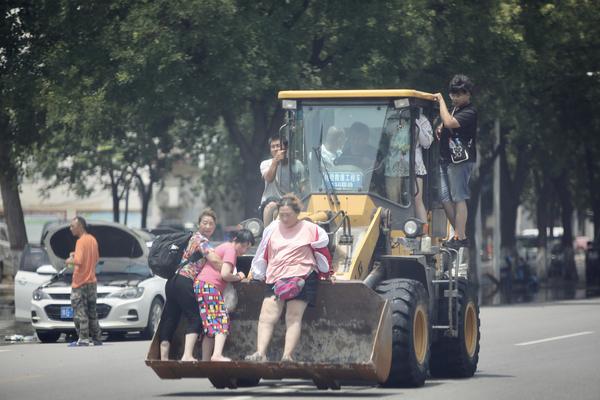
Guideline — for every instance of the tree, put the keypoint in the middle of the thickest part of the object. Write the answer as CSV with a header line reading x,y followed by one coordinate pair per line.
x,y
24,39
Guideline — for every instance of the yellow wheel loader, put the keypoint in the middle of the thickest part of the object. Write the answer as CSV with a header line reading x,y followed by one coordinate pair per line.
x,y
401,307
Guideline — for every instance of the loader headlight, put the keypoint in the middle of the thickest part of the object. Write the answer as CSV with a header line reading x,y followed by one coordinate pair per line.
x,y
413,228
128,293
39,294
289,104
254,225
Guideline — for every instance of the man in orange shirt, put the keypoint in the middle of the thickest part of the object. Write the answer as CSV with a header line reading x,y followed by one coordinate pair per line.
x,y
83,286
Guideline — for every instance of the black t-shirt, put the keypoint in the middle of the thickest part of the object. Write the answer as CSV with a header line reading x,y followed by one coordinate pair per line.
x,y
466,133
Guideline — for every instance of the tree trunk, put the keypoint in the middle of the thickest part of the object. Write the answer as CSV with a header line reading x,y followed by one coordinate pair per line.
x,y
11,201
510,195
592,187
542,188
476,184
114,190
145,192
252,152
564,194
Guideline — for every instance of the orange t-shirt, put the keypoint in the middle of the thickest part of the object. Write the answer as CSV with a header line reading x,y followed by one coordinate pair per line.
x,y
86,257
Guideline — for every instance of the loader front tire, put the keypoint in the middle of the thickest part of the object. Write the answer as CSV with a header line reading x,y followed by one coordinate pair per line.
x,y
458,357
410,331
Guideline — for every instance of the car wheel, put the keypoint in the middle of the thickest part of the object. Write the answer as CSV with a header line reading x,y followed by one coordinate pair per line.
x,y
48,336
153,318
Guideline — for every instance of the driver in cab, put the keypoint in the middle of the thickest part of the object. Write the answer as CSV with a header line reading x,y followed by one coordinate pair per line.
x,y
357,150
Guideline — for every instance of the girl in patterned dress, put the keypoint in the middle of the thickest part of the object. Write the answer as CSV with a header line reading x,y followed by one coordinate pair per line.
x,y
209,286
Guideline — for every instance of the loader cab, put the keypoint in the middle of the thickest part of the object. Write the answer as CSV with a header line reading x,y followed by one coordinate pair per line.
x,y
360,143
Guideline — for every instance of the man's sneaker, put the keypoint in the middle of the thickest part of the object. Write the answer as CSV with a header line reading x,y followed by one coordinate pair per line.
x,y
456,243
79,343
97,342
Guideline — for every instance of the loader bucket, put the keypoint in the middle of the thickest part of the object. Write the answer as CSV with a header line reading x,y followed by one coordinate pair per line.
x,y
346,336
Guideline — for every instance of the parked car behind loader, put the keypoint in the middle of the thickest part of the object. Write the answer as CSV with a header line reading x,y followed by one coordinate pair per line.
x,y
402,307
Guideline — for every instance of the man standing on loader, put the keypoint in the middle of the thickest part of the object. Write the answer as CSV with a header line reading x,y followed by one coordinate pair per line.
x,y
458,153
277,174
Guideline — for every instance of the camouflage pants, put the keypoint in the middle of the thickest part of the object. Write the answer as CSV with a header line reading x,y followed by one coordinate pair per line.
x,y
85,316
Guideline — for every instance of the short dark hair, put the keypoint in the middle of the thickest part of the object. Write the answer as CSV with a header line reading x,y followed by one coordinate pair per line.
x,y
208,212
81,221
292,201
358,129
244,236
279,139
461,83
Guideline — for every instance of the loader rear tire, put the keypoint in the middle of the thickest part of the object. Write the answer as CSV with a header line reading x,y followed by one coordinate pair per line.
x,y
410,331
458,357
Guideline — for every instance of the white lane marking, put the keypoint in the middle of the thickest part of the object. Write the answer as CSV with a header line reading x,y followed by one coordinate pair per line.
x,y
555,338
4,351
19,378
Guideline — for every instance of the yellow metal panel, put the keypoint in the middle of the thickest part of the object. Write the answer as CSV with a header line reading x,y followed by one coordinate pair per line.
x,y
319,216
344,94
363,251
359,207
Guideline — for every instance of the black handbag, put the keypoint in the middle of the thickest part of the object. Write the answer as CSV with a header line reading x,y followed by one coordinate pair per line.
x,y
458,152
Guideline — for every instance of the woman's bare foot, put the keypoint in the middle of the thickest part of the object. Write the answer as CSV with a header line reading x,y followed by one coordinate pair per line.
x,y
287,359
220,358
188,359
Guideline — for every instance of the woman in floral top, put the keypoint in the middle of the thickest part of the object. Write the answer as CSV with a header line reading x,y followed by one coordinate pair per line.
x,y
179,290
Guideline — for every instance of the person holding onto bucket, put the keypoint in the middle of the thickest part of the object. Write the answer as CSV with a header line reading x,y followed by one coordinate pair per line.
x,y
291,257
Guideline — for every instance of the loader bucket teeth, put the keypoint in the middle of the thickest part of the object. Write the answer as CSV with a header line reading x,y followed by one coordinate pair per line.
x,y
345,336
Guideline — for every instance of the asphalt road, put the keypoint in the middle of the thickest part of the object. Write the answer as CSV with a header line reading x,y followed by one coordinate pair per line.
x,y
532,351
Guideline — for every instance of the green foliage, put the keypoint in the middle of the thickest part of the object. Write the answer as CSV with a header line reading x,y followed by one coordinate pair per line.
x,y
133,86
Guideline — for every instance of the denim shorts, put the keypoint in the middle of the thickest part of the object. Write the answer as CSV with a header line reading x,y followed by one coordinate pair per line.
x,y
454,182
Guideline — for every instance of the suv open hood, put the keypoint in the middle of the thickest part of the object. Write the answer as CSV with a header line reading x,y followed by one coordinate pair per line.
x,y
115,241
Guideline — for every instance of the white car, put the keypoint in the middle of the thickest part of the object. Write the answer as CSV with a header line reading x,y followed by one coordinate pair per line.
x,y
130,297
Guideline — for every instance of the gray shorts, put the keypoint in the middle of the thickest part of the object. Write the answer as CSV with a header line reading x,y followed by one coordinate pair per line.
x,y
454,182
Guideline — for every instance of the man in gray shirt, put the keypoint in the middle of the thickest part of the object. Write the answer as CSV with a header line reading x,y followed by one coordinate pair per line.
x,y
278,180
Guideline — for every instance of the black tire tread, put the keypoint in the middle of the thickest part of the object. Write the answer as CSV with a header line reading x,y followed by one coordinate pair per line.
x,y
449,358
48,336
404,296
147,333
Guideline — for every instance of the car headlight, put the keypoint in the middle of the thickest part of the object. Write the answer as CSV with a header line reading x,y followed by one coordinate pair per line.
x,y
413,228
128,293
39,294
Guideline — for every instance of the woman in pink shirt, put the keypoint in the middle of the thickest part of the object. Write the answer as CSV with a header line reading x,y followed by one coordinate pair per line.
x,y
290,249
209,286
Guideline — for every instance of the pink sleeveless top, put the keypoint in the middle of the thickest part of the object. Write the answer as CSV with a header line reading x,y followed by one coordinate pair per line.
x,y
289,251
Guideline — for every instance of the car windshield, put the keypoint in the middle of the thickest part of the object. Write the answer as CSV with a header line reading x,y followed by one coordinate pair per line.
x,y
349,146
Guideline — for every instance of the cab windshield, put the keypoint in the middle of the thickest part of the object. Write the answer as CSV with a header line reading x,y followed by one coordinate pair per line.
x,y
351,147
